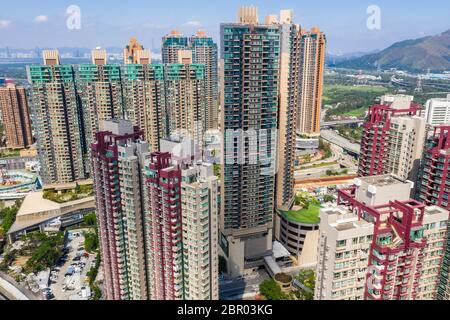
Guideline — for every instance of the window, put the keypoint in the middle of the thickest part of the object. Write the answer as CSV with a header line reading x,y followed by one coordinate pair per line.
x,y
341,243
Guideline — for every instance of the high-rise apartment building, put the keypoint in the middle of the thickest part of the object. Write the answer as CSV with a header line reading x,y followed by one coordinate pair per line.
x,y
163,228
199,193
437,111
99,87
312,63
432,185
144,100
134,53
118,157
171,44
393,139
379,244
185,101
290,70
204,51
433,188
16,117
166,100
250,62
57,120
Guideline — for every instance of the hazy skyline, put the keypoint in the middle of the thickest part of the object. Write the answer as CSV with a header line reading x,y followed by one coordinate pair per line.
x,y
28,23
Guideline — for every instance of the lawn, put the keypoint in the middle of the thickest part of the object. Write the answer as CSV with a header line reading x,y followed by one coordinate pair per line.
x,y
80,192
350,100
308,216
359,113
320,165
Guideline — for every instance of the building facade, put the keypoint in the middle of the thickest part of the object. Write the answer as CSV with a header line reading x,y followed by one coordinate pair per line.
x,y
117,161
250,54
15,116
171,44
99,86
199,194
57,120
393,139
134,53
163,229
379,244
312,60
205,52
288,107
437,111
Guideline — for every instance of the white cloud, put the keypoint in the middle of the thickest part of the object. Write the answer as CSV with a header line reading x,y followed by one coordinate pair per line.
x,y
4,24
193,23
40,19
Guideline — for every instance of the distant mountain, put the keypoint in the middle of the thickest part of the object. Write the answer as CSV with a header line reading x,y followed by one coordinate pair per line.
x,y
333,58
432,52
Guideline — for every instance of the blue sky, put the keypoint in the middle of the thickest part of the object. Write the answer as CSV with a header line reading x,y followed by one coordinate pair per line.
x,y
111,23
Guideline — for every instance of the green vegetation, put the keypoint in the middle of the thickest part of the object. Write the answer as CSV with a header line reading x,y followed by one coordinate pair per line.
x,y
8,153
271,290
307,278
80,192
91,241
331,173
92,275
7,218
326,148
217,169
305,200
319,165
90,219
308,215
328,198
352,134
350,100
48,250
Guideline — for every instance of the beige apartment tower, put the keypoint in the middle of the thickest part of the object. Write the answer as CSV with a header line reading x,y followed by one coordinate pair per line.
x,y
312,61
58,120
16,117
134,53
199,192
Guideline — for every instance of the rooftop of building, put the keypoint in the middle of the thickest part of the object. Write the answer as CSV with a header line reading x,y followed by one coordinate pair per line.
x,y
35,209
308,215
383,180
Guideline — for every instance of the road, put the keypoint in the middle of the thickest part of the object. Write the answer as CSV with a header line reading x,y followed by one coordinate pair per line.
x,y
334,138
73,245
250,284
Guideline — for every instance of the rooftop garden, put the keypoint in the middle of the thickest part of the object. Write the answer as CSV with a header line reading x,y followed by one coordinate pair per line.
x,y
308,212
62,196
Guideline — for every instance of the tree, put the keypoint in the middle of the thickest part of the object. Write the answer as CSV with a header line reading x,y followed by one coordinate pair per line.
x,y
7,217
328,198
47,253
91,241
271,290
90,219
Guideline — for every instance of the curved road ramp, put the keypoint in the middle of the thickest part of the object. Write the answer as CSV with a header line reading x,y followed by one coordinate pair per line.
x,y
10,291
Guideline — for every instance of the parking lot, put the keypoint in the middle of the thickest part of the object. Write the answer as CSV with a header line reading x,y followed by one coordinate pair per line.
x,y
68,280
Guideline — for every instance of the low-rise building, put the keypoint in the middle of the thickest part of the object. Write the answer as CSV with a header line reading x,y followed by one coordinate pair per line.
x,y
39,214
